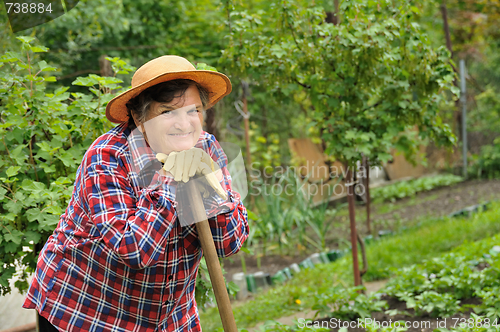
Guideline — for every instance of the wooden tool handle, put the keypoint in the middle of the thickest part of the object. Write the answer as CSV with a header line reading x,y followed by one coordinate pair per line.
x,y
214,270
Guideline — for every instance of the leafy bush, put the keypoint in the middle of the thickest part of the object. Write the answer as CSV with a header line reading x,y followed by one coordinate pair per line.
x,y
436,286
487,163
44,137
347,303
409,188
285,212
388,256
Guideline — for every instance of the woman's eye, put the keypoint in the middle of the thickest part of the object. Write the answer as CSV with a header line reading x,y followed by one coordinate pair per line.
x,y
166,112
193,111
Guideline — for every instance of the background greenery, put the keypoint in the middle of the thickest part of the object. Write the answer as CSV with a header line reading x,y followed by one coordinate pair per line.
x,y
356,87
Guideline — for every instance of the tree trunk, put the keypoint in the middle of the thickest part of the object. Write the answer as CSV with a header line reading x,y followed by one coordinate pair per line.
x,y
352,219
444,14
367,184
457,127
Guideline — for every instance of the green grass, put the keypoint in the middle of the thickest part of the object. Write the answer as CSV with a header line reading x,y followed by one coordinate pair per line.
x,y
431,238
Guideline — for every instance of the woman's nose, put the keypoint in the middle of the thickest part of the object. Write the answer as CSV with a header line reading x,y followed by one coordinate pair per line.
x,y
183,122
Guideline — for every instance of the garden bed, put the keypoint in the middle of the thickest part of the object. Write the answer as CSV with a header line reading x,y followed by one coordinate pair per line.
x,y
387,216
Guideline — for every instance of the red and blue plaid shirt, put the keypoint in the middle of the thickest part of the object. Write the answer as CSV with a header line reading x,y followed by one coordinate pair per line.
x,y
119,260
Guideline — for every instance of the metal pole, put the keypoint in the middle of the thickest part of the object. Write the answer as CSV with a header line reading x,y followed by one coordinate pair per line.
x,y
463,99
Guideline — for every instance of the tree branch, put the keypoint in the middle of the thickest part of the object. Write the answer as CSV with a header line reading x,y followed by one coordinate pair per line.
x,y
301,84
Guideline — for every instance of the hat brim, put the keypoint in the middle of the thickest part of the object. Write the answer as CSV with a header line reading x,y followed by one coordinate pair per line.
x,y
217,84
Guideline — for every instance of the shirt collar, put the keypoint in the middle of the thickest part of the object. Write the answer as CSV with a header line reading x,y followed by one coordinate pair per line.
x,y
142,154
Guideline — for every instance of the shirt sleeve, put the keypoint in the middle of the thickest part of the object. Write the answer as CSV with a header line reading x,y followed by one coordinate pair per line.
x,y
230,227
136,228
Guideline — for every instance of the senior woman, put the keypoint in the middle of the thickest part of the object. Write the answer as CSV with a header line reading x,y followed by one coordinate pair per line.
x,y
119,259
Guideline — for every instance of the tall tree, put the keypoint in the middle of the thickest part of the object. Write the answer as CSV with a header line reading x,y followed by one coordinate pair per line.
x,y
369,80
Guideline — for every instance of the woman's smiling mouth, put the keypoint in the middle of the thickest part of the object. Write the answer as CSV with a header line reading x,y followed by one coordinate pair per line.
x,y
181,135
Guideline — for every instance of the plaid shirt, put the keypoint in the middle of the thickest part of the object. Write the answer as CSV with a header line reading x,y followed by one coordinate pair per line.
x,y
119,259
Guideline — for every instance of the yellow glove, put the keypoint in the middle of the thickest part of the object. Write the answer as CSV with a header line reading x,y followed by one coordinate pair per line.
x,y
185,164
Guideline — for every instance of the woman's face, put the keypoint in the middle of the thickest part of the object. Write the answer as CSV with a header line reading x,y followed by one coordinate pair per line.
x,y
175,126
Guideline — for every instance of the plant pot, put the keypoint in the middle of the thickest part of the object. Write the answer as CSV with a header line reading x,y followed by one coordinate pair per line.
x,y
315,259
287,273
333,255
279,278
251,283
324,257
306,263
261,279
383,233
240,280
294,268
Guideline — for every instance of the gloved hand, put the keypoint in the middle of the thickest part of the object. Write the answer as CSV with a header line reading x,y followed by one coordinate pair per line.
x,y
185,164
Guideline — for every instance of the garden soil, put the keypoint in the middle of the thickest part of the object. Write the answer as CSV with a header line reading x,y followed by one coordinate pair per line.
x,y
434,203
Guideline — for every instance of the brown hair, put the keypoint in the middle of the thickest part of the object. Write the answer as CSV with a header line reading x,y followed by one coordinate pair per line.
x,y
165,92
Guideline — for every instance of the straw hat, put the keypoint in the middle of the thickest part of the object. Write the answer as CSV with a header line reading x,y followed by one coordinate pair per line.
x,y
162,69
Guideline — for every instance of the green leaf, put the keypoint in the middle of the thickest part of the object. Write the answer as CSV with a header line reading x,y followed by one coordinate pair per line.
x,y
45,67
34,215
13,171
13,236
49,222
18,134
33,236
39,49
3,191
8,272
204,66
25,39
85,81
66,158
10,247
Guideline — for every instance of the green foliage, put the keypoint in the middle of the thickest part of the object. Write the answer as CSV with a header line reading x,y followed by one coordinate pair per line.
x,y
426,240
487,163
376,327
475,323
44,136
430,239
265,151
436,286
368,80
346,303
203,288
304,326
285,212
404,189
136,30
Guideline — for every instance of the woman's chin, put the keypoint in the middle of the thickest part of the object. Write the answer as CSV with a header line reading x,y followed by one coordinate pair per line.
x,y
181,146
